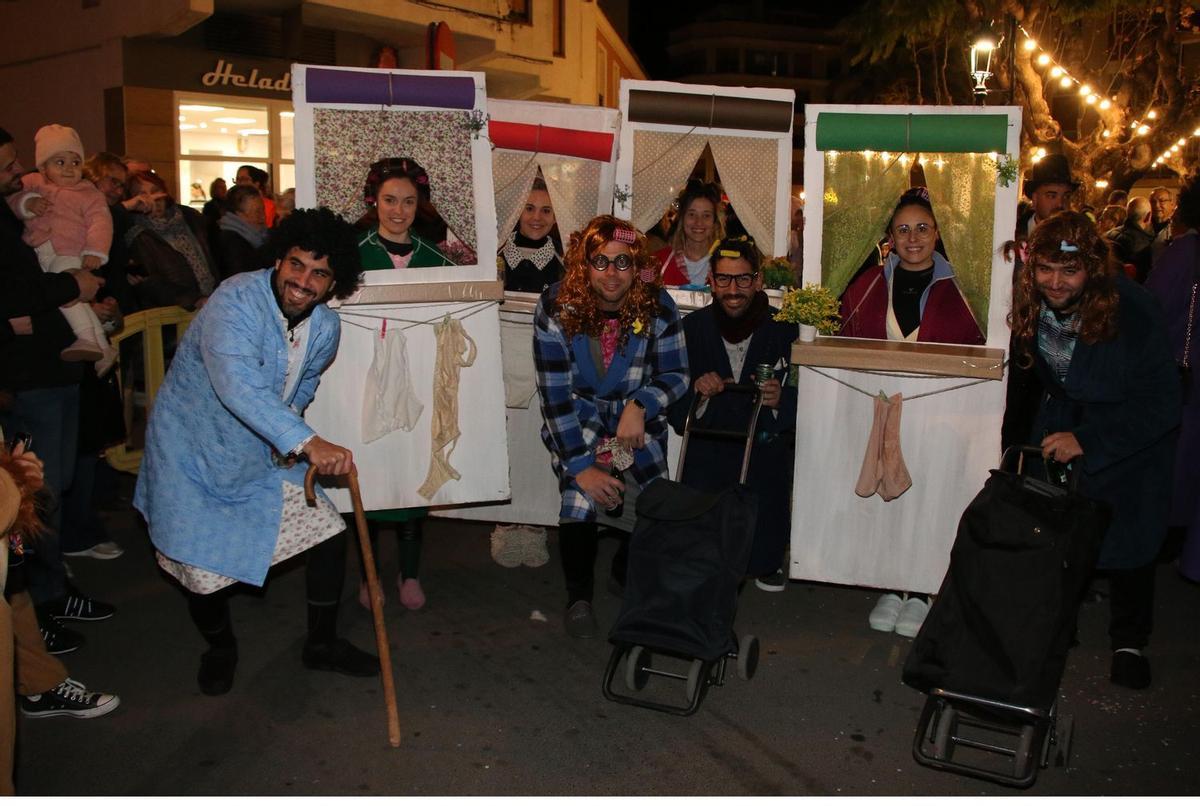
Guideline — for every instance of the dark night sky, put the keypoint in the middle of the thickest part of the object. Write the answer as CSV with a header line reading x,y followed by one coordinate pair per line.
x,y
650,21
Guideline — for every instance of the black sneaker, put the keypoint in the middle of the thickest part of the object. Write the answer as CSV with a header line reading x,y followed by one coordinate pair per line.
x,y
772,583
1130,669
77,607
580,621
69,698
60,640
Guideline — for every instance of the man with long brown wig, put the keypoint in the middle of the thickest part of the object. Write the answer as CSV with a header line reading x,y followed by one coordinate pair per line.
x,y
610,359
1111,408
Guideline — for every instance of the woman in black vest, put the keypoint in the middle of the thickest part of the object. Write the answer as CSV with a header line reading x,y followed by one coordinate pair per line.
x,y
532,255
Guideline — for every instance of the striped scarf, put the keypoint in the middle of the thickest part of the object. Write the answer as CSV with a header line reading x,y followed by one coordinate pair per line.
x,y
1056,340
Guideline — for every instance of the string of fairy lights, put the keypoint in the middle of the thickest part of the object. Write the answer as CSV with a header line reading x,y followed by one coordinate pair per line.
x,y
1139,127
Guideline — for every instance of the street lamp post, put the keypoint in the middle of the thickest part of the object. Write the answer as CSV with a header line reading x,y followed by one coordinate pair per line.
x,y
983,44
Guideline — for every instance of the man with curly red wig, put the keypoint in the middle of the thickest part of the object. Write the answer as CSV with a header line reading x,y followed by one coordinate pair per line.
x,y
610,358
1112,406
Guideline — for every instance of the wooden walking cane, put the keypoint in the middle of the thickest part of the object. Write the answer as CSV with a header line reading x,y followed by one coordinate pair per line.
x,y
368,559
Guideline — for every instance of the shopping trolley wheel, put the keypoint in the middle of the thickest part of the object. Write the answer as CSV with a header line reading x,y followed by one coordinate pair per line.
x,y
1064,732
943,733
693,678
747,660
636,662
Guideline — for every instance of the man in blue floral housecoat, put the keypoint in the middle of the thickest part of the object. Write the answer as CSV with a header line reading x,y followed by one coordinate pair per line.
x,y
220,485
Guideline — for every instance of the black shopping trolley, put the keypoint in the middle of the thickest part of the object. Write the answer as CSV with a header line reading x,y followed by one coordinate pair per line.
x,y
993,647
687,558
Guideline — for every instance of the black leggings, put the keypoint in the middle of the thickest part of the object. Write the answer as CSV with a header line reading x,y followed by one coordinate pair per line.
x,y
1131,606
324,575
578,543
408,545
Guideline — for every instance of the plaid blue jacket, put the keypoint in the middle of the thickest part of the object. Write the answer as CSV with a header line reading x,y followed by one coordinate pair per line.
x,y
580,406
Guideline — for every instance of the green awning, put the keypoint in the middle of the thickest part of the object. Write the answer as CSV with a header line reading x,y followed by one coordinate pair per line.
x,y
847,131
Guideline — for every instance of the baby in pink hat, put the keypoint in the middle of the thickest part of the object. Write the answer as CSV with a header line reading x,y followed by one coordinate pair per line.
x,y
68,224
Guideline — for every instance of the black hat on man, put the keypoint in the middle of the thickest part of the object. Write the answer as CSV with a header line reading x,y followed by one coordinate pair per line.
x,y
1053,169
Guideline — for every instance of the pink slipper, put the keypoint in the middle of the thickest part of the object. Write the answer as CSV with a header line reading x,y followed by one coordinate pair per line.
x,y
411,595
364,596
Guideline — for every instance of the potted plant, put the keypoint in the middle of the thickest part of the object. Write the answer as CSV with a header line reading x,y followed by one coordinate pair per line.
x,y
813,307
778,273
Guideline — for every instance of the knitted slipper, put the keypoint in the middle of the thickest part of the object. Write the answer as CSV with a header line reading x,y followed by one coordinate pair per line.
x,y
411,594
506,547
364,596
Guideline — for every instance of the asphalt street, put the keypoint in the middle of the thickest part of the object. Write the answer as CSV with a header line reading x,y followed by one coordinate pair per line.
x,y
494,700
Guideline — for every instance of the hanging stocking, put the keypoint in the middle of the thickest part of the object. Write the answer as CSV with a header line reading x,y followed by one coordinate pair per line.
x,y
872,467
455,350
895,479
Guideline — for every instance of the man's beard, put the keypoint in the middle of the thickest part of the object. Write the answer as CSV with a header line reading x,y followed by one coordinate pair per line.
x,y
293,318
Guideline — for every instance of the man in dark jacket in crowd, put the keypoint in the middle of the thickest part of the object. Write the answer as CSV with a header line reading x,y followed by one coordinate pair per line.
x,y
45,397
1131,242
726,342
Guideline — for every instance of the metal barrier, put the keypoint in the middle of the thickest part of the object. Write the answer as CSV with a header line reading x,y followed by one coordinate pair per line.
x,y
149,371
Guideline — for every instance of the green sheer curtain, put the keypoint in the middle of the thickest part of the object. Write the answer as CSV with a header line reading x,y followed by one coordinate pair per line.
x,y
962,188
861,188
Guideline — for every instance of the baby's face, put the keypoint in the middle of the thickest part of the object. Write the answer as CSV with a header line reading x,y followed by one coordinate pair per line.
x,y
64,168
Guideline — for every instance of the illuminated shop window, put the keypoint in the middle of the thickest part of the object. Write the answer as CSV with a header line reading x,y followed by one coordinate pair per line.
x,y
217,134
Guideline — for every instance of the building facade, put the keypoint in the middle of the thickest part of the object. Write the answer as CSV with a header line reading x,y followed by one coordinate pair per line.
x,y
762,45
199,87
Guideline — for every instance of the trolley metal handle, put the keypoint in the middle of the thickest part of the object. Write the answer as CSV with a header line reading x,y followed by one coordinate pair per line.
x,y
720,433
1021,451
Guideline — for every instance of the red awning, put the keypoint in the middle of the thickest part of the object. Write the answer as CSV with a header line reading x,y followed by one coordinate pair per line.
x,y
551,140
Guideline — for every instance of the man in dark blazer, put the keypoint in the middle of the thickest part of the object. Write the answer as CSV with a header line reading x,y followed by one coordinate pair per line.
x,y
726,342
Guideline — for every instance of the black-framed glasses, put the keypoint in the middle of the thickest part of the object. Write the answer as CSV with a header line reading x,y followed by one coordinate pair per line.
x,y
721,280
623,262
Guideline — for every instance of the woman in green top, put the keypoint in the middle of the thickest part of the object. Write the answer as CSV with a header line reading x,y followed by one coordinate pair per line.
x,y
397,196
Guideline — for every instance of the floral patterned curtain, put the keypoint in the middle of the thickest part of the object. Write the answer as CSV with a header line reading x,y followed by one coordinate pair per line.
x,y
346,142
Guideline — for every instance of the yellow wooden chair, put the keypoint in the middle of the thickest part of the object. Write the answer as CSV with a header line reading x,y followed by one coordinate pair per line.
x,y
149,324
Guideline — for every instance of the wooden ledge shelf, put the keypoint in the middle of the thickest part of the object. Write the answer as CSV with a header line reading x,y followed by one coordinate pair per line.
x,y
416,293
950,360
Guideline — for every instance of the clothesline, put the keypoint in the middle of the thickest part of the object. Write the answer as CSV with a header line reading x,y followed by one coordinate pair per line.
x,y
474,308
908,398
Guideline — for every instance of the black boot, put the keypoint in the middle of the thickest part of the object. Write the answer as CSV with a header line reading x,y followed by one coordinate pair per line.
x,y
210,614
326,652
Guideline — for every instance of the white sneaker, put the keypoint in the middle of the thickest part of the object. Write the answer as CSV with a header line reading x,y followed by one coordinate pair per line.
x,y
108,550
887,610
912,616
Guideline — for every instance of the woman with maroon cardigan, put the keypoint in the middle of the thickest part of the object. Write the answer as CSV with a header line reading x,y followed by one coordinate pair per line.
x,y
912,295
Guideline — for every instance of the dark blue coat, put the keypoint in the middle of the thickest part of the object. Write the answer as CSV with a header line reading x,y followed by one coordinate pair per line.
x,y
1121,399
713,465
